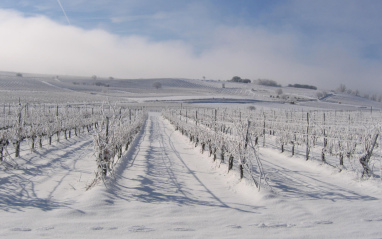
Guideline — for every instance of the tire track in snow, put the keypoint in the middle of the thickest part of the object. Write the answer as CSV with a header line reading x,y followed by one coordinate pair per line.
x,y
179,157
156,171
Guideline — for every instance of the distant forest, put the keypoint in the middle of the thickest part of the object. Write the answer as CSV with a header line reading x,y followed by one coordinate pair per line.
x,y
311,87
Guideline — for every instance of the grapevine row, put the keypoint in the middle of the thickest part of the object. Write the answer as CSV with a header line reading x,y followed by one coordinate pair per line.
x,y
32,124
325,135
116,132
234,150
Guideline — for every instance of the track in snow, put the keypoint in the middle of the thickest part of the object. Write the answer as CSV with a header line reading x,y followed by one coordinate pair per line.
x,y
164,170
164,187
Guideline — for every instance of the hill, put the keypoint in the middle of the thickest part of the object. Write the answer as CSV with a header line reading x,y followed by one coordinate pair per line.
x,y
37,88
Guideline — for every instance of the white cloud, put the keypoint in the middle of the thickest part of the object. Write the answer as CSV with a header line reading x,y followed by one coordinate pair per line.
x,y
39,45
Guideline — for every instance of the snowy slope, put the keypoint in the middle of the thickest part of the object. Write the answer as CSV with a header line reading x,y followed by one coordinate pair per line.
x,y
165,188
62,89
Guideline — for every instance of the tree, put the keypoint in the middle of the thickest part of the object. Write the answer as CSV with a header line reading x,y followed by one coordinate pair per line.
x,y
236,79
279,92
311,87
157,85
341,88
267,82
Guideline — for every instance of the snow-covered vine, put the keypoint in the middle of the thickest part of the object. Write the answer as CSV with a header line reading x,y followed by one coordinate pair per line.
x,y
231,148
113,136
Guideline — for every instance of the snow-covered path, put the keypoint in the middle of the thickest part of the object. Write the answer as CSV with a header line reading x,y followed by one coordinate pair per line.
x,y
165,188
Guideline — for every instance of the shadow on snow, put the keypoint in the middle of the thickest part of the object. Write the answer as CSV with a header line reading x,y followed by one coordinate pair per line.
x,y
167,177
18,187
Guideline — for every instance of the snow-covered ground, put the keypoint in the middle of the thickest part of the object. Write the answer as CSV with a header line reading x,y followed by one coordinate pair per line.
x,y
34,88
165,188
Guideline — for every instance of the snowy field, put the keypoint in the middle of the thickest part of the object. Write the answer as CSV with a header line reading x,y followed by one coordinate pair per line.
x,y
163,186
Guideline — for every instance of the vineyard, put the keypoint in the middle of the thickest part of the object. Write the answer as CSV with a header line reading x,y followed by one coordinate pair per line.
x,y
113,129
342,139
191,119
185,171
346,140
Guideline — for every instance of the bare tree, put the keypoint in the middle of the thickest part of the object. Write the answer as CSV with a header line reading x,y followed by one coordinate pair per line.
x,y
341,88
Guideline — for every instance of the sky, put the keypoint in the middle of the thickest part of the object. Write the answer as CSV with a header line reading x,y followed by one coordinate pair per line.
x,y
323,43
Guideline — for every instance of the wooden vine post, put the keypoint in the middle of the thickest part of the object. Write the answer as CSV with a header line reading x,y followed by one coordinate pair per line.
x,y
58,131
264,132
241,167
107,129
18,139
325,143
104,154
196,117
216,120
307,136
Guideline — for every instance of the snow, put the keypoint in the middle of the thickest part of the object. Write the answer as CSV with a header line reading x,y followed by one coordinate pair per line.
x,y
37,88
164,187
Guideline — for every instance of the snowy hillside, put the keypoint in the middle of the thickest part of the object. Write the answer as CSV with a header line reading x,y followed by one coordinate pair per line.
x,y
61,89
92,163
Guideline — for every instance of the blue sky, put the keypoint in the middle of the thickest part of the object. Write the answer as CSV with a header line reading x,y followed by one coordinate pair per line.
x,y
324,43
